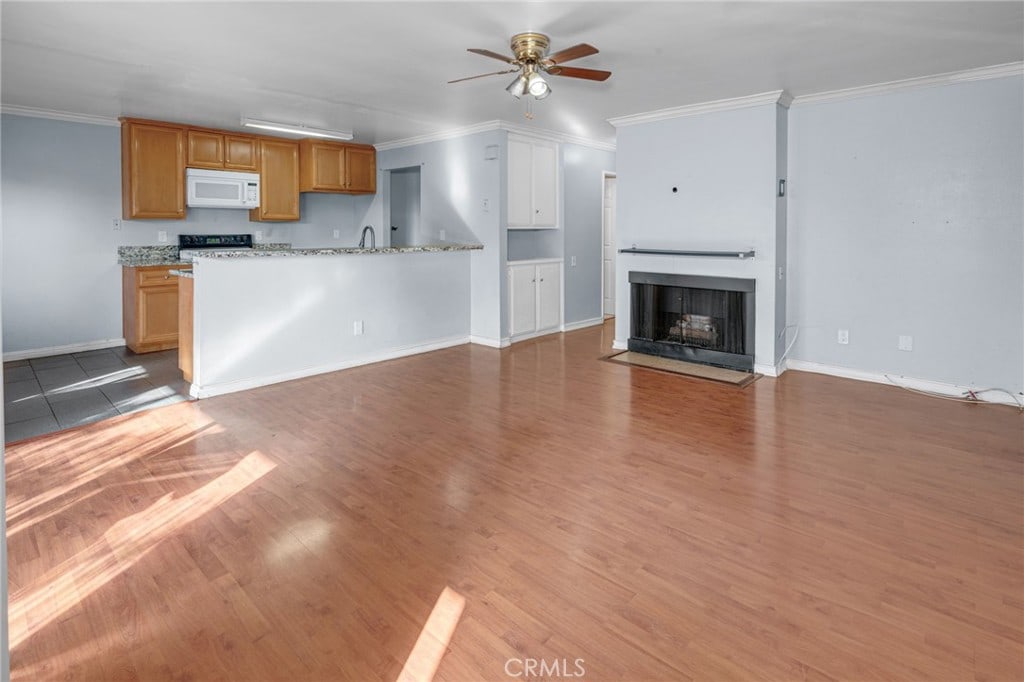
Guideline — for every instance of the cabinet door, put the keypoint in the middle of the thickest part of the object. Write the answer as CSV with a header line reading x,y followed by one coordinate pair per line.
x,y
549,296
241,153
205,149
523,299
158,315
328,167
279,181
520,202
545,185
360,170
152,171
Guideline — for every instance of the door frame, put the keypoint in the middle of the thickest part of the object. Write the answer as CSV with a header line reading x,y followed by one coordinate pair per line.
x,y
604,176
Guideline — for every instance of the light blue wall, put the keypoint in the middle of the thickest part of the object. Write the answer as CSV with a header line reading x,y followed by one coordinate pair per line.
x,y
724,167
905,217
61,184
582,186
455,178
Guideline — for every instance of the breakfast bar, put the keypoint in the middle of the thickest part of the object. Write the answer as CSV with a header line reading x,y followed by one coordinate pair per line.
x,y
259,317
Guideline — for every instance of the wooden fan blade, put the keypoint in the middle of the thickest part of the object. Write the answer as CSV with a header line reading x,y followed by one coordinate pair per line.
x,y
569,53
492,55
483,75
574,72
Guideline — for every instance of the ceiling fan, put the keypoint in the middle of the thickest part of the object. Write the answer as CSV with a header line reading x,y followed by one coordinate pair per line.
x,y
531,59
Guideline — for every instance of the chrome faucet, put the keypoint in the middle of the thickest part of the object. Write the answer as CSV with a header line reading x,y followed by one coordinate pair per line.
x,y
373,238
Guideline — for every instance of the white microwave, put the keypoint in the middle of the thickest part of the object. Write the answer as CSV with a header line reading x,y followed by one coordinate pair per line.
x,y
222,189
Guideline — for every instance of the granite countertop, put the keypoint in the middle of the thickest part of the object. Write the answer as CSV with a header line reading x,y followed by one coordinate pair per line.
x,y
263,253
141,256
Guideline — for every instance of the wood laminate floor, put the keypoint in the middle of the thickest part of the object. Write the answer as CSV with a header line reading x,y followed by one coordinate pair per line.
x,y
654,526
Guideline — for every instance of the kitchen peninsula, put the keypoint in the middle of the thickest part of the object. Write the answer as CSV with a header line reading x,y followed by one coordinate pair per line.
x,y
264,316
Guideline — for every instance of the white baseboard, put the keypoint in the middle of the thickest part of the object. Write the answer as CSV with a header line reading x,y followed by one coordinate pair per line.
x,y
583,324
534,335
492,343
768,370
620,344
62,350
245,384
939,387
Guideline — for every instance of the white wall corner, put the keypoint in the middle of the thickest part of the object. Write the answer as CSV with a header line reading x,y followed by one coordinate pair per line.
x,y
583,324
490,342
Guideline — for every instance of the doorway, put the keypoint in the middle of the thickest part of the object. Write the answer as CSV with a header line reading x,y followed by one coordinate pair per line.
x,y
608,240
404,205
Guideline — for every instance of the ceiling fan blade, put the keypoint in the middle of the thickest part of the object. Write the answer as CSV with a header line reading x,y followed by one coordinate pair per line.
x,y
569,53
483,75
492,55
574,72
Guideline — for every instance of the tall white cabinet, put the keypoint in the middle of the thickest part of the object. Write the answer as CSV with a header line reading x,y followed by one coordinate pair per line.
x,y
533,184
535,297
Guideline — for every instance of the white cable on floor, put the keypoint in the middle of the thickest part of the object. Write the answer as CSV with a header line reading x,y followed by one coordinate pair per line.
x,y
959,399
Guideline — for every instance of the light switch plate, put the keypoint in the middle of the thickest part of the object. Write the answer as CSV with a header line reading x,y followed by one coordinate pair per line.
x,y
843,337
258,235
337,234
906,343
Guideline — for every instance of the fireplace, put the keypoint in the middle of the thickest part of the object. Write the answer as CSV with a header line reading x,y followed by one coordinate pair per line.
x,y
688,317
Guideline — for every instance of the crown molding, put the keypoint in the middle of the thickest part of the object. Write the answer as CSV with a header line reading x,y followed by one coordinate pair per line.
x,y
780,97
542,133
980,74
58,115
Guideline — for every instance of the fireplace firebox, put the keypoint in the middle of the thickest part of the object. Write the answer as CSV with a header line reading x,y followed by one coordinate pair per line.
x,y
709,320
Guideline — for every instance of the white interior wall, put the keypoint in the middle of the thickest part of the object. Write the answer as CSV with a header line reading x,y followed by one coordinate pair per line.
x,y
906,219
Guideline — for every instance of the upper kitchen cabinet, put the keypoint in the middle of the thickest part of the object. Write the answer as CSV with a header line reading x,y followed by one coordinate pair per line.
x,y
279,181
532,184
152,170
336,167
222,151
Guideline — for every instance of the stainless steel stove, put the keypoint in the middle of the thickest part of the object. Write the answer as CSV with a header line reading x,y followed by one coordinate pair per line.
x,y
192,245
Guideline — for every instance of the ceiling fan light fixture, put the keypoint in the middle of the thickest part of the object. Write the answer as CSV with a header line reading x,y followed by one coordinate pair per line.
x,y
517,88
537,86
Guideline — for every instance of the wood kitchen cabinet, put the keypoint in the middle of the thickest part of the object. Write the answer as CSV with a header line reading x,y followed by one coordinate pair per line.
x,y
532,184
150,308
186,325
337,167
279,181
222,151
152,170
535,298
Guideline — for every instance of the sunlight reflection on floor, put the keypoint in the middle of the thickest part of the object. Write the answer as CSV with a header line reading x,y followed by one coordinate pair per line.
x,y
434,638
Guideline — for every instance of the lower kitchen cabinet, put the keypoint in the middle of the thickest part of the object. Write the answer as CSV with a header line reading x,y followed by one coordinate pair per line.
x,y
186,325
150,308
535,298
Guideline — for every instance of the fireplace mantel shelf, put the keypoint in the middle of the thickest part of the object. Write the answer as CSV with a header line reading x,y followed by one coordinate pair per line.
x,y
707,254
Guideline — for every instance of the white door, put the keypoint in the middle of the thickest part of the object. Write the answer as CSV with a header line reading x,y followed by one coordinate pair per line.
x,y
523,294
609,244
520,174
549,296
545,185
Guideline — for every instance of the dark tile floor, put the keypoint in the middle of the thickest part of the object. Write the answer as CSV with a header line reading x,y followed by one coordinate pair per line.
x,y
43,395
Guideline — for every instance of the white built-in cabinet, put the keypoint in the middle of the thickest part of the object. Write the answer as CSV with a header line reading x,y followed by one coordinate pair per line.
x,y
535,297
532,184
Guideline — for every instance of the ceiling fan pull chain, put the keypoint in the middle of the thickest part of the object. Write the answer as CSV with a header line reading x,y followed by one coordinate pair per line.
x,y
529,108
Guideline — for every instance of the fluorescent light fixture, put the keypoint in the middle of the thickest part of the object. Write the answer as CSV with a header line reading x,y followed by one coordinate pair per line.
x,y
305,131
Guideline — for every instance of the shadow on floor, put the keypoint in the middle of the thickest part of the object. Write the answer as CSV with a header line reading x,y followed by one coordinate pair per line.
x,y
43,395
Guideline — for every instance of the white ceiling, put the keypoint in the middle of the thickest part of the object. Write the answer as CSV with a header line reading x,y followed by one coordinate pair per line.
x,y
379,68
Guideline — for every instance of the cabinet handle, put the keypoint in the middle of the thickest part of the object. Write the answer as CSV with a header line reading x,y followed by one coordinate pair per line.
x,y
542,279
533,280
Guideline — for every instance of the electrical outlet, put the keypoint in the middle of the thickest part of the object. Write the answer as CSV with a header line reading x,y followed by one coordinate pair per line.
x,y
843,336
258,235
337,234
572,262
441,234
117,224
161,236
357,328
906,343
